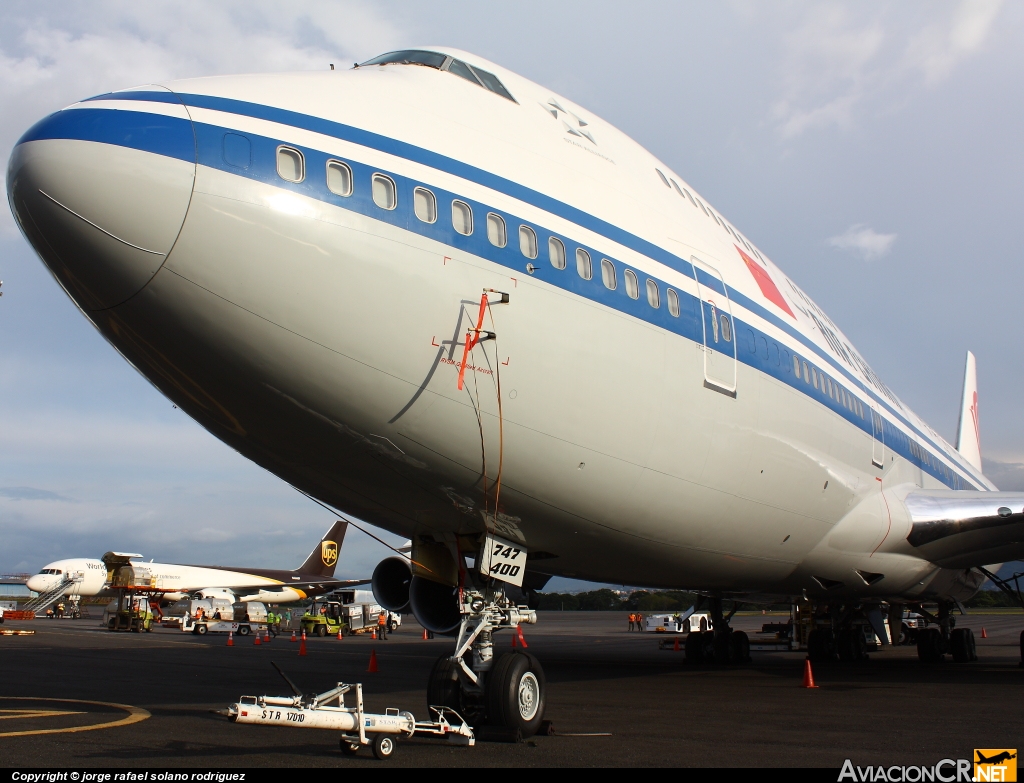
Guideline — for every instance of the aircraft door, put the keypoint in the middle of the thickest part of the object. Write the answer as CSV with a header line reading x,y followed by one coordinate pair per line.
x,y
719,329
877,439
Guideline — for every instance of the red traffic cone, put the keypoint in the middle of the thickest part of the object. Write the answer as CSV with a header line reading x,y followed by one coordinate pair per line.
x,y
522,639
373,634
256,640
293,636
984,634
675,646
266,637
339,634
231,639
302,644
808,675
425,637
372,668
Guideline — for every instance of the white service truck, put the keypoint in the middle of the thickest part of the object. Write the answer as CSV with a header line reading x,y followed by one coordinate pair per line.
x,y
679,622
219,615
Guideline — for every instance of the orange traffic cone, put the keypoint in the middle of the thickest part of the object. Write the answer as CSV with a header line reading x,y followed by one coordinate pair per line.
x,y
522,639
808,675
302,644
231,639
984,634
425,637
256,640
373,634
675,646
339,634
372,668
266,637
293,635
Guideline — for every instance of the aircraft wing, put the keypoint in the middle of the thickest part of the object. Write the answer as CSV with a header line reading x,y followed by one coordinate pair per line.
x,y
309,586
966,529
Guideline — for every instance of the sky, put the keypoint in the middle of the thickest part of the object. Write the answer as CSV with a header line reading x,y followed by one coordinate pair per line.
x,y
871,149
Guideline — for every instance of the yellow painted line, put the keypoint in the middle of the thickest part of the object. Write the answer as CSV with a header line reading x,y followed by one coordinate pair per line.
x,y
135,715
25,714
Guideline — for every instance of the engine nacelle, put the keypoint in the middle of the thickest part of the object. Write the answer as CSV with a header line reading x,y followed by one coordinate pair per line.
x,y
436,606
390,583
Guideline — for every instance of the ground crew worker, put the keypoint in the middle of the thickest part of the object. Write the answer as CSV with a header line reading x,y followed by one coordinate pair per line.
x,y
382,625
639,621
632,620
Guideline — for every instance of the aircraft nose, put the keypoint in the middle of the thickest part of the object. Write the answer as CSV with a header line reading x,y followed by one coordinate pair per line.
x,y
101,189
37,583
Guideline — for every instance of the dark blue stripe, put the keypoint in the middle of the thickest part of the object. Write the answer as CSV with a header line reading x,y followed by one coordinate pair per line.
x,y
170,136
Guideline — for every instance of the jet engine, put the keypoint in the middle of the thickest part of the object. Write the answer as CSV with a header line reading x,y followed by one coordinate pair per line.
x,y
390,583
435,605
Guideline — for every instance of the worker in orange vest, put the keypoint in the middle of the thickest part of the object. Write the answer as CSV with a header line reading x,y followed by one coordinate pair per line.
x,y
632,620
382,625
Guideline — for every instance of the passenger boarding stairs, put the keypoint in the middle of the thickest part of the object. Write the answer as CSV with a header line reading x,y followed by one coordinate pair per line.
x,y
44,601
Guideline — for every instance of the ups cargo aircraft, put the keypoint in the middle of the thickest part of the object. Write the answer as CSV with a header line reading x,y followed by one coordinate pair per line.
x,y
170,582
437,296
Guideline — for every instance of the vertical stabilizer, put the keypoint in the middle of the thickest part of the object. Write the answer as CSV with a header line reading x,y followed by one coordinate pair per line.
x,y
968,434
324,558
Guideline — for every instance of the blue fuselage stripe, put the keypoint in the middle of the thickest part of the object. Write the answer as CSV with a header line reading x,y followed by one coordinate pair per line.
x,y
208,151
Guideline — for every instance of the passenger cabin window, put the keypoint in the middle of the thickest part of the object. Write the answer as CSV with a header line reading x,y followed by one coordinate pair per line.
x,y
664,179
608,274
462,217
443,62
425,205
290,165
653,294
339,178
796,365
632,285
384,193
583,265
496,234
556,252
673,303
807,373
528,241
814,377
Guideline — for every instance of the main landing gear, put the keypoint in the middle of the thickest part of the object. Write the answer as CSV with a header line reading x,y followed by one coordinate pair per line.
x,y
505,693
721,644
934,643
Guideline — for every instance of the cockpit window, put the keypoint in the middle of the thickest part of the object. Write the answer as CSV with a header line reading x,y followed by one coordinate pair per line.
x,y
409,57
443,62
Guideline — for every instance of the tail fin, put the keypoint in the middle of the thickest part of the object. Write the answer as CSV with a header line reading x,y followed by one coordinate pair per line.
x,y
968,434
324,558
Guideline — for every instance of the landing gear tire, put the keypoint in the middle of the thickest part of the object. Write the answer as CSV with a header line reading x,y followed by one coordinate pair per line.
x,y
445,690
821,647
929,645
962,645
243,630
723,647
516,693
383,746
348,748
740,644
695,647
851,645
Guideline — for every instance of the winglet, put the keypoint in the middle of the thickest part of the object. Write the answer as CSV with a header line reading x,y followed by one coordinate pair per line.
x,y
968,434
324,558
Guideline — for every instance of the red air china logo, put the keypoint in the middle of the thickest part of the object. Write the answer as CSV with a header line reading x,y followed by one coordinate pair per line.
x,y
765,283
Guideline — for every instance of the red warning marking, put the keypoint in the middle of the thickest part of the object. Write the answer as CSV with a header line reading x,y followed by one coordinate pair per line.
x,y
765,282
446,260
505,363
514,281
433,341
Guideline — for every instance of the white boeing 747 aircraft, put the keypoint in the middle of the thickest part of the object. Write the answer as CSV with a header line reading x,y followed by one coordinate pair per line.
x,y
442,298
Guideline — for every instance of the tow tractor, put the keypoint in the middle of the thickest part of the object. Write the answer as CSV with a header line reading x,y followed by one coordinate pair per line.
x,y
328,710
219,615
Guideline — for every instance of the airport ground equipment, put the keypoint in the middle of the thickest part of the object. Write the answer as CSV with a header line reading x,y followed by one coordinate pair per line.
x,y
326,618
44,601
328,710
218,615
680,622
131,613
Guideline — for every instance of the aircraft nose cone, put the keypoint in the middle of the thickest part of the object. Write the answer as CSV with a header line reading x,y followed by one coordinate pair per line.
x,y
36,584
101,189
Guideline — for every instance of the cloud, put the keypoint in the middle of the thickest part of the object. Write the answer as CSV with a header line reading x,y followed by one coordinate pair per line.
x,y
863,241
31,493
841,58
52,56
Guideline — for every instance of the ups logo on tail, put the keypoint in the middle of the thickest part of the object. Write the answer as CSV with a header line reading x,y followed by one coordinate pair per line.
x,y
328,552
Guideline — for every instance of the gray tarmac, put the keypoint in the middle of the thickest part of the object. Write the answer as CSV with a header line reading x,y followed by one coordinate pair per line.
x,y
655,710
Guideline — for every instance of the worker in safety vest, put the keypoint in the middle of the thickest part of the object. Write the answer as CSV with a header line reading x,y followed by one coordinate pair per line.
x,y
382,625
632,620
639,621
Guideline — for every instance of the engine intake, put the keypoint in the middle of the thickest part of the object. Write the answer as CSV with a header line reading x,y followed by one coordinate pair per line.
x,y
436,606
390,583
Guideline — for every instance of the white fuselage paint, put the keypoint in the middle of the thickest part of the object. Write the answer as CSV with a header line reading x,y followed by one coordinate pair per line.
x,y
320,336
174,580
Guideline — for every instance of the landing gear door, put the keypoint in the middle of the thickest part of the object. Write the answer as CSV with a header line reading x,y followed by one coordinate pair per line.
x,y
877,439
719,329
